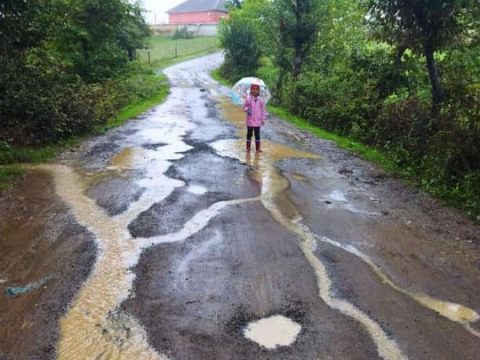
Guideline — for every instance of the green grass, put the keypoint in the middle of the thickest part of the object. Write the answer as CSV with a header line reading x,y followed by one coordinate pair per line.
x,y
217,76
141,105
164,48
9,174
361,150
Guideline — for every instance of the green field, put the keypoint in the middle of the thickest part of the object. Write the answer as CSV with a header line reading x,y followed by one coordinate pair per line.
x,y
162,48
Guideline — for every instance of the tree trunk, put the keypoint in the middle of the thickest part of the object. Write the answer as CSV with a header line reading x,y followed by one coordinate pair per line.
x,y
85,49
437,91
279,87
297,66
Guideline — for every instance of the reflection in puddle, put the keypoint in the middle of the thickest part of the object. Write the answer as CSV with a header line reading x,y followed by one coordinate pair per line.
x,y
338,196
273,331
197,189
299,177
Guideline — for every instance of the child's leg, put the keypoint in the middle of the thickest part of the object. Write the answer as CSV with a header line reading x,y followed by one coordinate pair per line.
x,y
257,139
249,137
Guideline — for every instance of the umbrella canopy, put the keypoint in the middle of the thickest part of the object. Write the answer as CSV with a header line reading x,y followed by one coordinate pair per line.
x,y
242,88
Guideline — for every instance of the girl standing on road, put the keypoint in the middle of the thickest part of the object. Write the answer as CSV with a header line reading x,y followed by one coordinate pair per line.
x,y
254,106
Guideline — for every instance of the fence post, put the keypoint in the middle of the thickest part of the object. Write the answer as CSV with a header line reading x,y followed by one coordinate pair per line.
x,y
149,57
176,48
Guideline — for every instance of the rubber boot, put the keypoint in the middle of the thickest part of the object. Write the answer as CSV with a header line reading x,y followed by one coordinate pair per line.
x,y
258,147
249,145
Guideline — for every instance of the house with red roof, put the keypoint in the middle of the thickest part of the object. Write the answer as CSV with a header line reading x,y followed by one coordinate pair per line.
x,y
197,12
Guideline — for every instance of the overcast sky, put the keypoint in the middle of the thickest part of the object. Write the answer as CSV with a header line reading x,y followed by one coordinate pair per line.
x,y
156,9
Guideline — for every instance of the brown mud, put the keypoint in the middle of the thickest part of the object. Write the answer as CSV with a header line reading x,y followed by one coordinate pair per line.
x,y
39,239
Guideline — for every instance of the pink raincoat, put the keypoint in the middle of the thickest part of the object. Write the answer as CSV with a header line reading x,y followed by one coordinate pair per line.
x,y
255,109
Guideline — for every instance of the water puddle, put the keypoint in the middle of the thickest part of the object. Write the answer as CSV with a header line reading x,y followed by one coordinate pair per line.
x,y
273,331
387,347
339,196
95,327
299,177
197,189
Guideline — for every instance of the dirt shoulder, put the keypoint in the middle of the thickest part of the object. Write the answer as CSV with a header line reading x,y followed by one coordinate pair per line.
x,y
46,256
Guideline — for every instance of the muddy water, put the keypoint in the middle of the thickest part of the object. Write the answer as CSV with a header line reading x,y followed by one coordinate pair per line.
x,y
94,327
273,185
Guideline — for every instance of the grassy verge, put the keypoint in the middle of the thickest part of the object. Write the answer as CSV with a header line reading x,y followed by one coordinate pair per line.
x,y
217,76
9,174
359,149
163,48
154,84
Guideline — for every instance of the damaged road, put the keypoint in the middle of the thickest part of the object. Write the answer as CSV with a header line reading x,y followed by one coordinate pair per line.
x,y
164,239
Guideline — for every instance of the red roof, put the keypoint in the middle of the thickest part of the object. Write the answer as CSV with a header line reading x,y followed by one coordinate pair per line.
x,y
199,6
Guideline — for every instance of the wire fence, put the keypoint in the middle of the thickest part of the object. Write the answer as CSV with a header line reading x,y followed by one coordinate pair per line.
x,y
164,48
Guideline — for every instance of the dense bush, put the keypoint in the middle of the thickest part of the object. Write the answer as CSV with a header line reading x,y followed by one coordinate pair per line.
x,y
62,64
242,50
182,33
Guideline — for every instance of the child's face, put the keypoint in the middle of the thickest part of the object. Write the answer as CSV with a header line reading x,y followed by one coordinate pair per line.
x,y
255,91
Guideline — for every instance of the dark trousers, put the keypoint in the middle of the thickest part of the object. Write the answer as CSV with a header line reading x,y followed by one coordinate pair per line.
x,y
251,130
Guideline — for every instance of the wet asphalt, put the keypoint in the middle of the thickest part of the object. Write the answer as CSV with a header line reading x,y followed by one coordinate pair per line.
x,y
164,239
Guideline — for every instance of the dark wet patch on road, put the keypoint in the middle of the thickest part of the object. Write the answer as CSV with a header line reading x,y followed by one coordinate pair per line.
x,y
205,168
115,194
398,315
171,214
155,146
252,263
103,150
204,114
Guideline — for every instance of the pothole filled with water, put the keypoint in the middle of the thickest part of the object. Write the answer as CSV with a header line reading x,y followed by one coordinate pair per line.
x,y
197,189
273,331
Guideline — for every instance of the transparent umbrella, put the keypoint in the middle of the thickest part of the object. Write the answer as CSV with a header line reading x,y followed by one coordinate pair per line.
x,y
242,89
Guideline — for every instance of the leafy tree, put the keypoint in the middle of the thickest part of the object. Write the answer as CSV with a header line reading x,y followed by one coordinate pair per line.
x,y
298,23
425,27
242,50
44,46
234,4
244,36
133,30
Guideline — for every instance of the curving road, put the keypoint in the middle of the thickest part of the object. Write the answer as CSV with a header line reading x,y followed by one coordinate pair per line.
x,y
164,239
